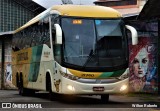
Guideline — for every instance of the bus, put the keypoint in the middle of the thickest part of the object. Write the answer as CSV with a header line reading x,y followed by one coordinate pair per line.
x,y
73,50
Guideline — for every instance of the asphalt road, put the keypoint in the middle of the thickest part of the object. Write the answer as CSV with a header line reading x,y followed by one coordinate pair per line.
x,y
75,103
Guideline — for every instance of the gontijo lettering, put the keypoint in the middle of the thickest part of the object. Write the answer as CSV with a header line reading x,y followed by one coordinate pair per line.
x,y
22,56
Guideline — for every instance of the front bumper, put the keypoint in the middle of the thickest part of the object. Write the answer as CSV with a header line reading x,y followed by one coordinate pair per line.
x,y
73,87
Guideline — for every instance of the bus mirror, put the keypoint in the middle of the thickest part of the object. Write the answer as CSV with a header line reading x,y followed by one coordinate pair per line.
x,y
134,34
58,34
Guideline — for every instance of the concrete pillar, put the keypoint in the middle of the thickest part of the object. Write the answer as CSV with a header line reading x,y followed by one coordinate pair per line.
x,y
2,64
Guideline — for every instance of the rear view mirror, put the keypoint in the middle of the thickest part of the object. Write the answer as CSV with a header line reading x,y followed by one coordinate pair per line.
x,y
58,34
134,34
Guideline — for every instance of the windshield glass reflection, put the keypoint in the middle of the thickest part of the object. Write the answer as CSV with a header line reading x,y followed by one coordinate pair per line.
x,y
93,43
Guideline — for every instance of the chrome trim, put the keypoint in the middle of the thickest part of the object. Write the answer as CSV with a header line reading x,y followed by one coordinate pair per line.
x,y
98,81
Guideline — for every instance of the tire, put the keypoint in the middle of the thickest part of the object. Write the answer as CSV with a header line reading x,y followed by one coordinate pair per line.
x,y
17,80
51,94
105,98
32,92
22,91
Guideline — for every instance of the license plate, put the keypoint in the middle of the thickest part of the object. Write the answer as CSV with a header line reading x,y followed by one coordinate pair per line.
x,y
98,88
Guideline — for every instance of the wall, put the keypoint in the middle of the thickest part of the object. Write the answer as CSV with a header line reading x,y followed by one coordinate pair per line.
x,y
144,58
0,61
141,3
5,62
13,15
7,65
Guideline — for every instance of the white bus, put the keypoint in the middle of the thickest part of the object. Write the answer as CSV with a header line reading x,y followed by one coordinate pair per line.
x,y
72,49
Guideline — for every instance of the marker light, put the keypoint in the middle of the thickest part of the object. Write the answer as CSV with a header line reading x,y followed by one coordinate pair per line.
x,y
70,88
123,87
77,22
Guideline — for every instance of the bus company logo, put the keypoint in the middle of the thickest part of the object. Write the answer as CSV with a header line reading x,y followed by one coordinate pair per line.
x,y
22,56
6,105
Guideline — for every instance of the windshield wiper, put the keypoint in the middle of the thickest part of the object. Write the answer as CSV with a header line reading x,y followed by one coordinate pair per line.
x,y
91,55
89,58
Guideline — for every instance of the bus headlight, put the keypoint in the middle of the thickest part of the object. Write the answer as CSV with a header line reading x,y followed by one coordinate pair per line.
x,y
69,76
123,87
71,88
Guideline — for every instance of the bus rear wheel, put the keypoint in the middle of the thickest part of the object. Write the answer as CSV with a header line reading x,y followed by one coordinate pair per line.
x,y
22,91
17,80
105,98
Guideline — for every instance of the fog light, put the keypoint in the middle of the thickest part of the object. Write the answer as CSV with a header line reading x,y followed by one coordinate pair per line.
x,y
71,88
123,87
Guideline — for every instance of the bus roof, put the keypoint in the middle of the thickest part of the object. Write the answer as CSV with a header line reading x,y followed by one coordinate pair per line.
x,y
77,11
86,11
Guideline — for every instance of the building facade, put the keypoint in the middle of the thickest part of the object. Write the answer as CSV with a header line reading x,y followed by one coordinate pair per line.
x,y
13,15
115,2
126,7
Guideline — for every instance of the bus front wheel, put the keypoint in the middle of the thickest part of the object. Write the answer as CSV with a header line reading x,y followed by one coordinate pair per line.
x,y
49,88
105,98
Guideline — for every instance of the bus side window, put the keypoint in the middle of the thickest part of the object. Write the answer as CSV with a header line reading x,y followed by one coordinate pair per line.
x,y
53,36
15,42
46,36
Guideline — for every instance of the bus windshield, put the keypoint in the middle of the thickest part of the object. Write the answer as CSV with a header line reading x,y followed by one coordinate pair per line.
x,y
94,42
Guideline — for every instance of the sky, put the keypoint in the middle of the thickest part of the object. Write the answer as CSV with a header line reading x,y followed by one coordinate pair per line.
x,y
49,3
